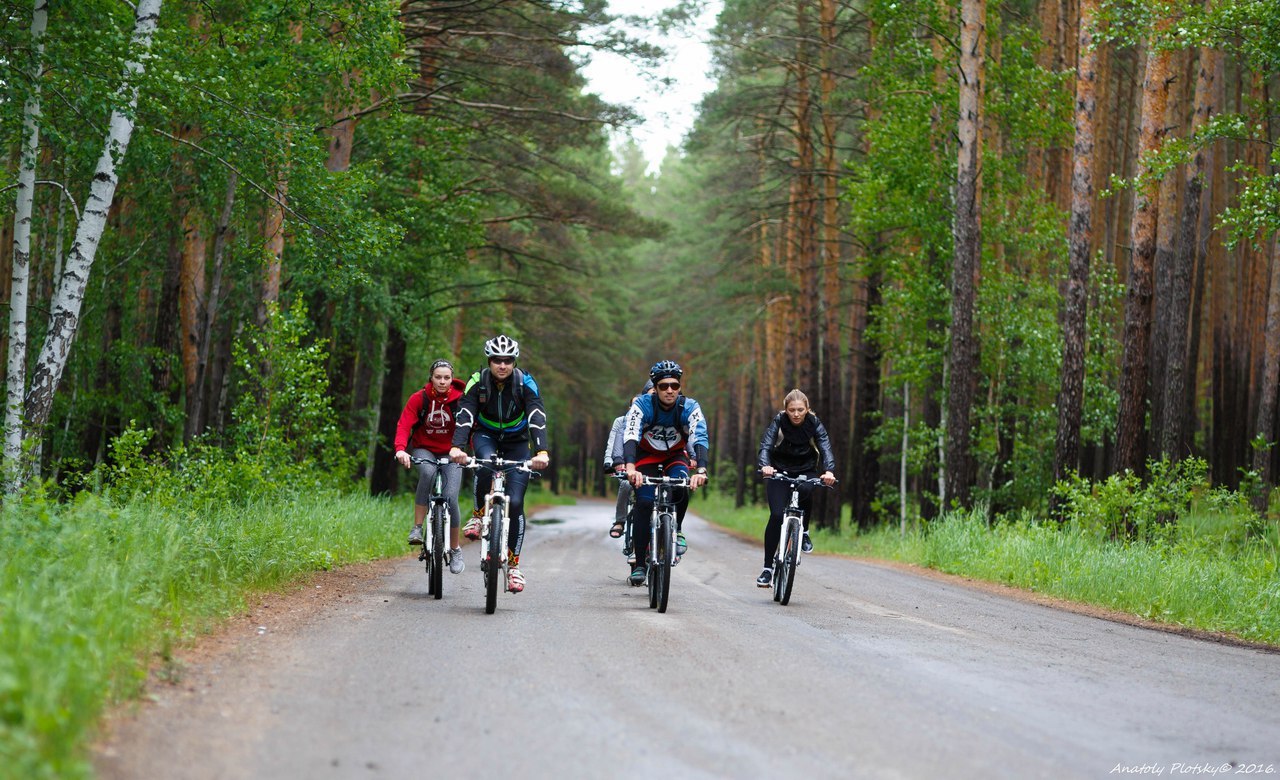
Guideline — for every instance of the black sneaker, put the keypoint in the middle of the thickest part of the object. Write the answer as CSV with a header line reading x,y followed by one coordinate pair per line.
x,y
765,580
806,546
637,575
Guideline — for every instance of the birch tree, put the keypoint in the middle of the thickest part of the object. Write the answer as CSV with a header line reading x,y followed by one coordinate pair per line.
x,y
64,316
17,368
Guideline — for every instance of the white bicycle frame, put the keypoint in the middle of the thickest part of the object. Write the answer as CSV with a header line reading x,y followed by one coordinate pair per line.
x,y
790,516
498,495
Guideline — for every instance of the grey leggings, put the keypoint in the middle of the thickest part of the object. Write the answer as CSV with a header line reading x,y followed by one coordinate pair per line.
x,y
451,475
624,498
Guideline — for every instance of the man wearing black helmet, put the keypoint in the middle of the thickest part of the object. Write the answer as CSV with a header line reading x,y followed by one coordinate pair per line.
x,y
658,430
502,414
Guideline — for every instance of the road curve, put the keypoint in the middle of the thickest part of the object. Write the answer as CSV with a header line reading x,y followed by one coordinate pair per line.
x,y
870,672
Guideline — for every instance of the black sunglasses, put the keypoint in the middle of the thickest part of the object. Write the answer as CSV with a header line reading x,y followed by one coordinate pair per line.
x,y
668,385
502,361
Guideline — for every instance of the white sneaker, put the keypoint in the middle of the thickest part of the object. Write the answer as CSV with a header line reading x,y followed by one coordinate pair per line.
x,y
456,564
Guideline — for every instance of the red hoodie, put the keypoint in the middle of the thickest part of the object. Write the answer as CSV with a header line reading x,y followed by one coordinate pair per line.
x,y
436,432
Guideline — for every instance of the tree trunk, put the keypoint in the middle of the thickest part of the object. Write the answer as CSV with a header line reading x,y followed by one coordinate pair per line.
x,y
206,317
968,247
834,407
15,470
1080,239
1178,344
64,317
1264,430
384,476
1130,426
1166,247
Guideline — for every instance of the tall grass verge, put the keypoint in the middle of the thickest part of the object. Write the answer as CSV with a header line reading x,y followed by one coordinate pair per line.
x,y
91,592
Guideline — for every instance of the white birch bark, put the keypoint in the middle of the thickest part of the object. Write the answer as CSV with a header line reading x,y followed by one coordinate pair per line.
x,y
64,316
16,376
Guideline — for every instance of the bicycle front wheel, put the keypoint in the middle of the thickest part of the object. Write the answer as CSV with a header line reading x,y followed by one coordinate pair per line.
x,y
497,550
665,554
437,551
787,571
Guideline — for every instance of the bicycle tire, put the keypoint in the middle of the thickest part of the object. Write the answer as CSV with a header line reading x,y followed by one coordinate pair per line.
x,y
652,563
437,551
791,553
493,572
666,550
777,577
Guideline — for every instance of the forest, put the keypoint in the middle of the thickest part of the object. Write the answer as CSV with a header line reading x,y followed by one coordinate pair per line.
x,y
999,245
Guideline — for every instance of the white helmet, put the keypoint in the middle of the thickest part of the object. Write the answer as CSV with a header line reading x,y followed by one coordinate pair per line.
x,y
502,346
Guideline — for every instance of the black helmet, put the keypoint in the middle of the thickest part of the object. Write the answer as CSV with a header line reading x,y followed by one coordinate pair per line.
x,y
664,369
502,346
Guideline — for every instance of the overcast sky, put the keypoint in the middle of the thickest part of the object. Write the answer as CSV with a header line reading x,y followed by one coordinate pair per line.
x,y
668,113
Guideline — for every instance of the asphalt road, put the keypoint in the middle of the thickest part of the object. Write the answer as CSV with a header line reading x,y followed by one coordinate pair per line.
x,y
871,671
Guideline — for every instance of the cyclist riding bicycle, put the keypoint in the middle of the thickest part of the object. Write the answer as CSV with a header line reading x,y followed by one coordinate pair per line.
x,y
426,428
659,427
502,414
792,444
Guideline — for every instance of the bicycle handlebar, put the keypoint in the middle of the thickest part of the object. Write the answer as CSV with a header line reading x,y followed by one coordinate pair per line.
x,y
799,480
441,461
495,463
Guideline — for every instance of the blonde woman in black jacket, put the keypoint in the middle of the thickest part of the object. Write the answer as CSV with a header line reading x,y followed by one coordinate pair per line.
x,y
796,444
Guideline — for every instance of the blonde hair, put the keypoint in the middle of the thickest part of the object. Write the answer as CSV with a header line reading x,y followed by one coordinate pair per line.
x,y
796,395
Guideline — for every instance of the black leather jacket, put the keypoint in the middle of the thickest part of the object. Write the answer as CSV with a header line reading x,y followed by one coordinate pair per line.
x,y
796,448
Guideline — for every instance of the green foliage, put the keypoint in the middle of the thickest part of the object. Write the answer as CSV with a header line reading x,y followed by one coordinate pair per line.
x,y
1125,506
93,591
284,419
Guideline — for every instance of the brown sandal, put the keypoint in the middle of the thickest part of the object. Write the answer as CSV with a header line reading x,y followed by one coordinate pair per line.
x,y
616,530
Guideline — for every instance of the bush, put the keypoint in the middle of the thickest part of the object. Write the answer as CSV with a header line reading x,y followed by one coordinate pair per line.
x,y
1125,507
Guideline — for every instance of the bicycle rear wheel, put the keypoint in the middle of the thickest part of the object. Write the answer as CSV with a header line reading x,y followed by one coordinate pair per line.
x,y
666,551
437,552
787,572
493,571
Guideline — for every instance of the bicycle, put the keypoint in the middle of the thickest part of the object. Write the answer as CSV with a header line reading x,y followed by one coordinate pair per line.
x,y
492,525
787,556
662,553
435,542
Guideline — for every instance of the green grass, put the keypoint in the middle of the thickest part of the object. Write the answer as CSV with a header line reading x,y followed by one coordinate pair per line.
x,y
1211,572
91,594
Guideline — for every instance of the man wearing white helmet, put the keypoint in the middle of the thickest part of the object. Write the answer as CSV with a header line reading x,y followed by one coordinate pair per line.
x,y
501,413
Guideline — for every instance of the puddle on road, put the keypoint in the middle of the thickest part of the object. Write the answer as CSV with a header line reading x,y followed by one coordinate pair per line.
x,y
546,521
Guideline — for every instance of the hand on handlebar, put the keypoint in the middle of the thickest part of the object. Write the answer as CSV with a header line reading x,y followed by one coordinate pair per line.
x,y
634,477
697,480
457,455
403,458
767,471
540,461
828,478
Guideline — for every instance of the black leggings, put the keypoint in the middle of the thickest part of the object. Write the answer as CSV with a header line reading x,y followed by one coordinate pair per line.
x,y
779,495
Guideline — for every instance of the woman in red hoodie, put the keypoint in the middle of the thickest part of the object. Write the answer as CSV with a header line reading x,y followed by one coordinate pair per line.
x,y
426,430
